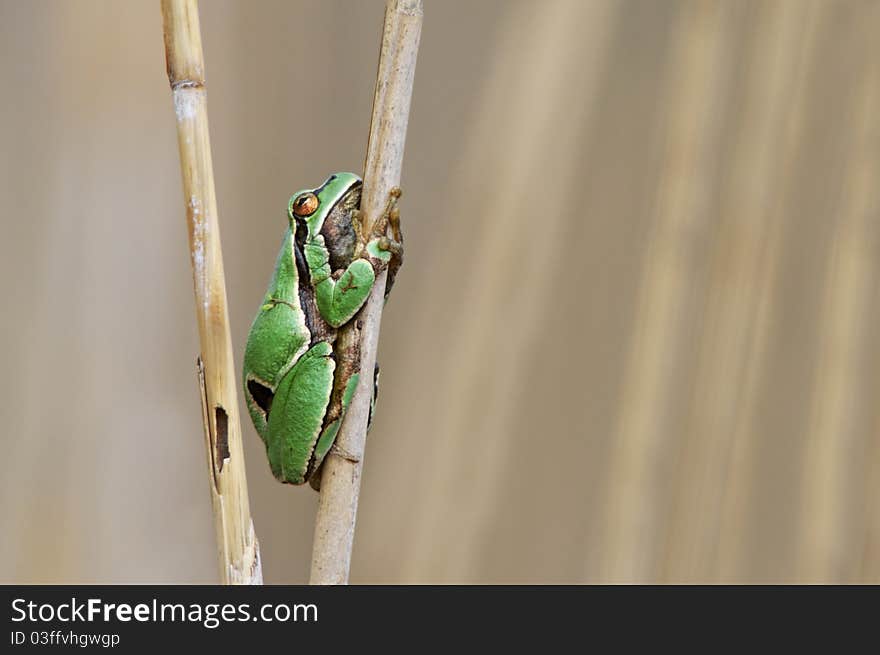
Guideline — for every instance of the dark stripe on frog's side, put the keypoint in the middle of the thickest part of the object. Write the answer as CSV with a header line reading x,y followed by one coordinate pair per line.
x,y
319,328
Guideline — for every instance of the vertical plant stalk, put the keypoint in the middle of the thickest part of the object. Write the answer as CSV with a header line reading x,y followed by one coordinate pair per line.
x,y
341,477
237,545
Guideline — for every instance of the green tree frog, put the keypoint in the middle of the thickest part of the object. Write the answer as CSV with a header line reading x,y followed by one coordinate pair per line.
x,y
299,371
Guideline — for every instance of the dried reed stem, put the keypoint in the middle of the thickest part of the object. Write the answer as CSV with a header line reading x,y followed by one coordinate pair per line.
x,y
237,545
341,478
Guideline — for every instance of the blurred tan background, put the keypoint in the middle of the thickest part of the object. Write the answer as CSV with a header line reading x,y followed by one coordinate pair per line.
x,y
633,340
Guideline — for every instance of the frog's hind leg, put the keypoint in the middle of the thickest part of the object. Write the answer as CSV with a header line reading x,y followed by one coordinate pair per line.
x,y
297,413
347,351
327,441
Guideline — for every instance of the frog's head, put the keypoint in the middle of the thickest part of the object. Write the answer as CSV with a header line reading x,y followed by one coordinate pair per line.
x,y
327,210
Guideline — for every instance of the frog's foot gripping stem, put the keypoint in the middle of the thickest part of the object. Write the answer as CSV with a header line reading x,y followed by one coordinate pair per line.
x,y
384,250
381,247
339,451
394,245
390,218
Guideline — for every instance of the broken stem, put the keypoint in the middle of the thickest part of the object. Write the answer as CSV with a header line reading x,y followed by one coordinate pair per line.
x,y
341,477
237,546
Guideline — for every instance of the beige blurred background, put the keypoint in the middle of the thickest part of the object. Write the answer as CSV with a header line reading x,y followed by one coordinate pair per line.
x,y
633,340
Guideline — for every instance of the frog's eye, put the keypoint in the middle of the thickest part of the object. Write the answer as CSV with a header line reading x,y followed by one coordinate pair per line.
x,y
304,204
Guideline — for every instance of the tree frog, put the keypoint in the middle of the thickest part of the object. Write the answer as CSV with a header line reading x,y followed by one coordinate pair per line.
x,y
302,358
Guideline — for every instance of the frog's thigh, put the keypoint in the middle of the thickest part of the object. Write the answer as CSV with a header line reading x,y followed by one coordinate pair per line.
x,y
298,413
328,434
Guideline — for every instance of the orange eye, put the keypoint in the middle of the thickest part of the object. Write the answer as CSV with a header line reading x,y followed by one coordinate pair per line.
x,y
304,204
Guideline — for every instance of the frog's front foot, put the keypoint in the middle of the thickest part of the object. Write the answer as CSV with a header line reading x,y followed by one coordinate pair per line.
x,y
387,248
390,217
387,244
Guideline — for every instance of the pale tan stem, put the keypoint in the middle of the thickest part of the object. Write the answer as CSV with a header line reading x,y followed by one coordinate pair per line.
x,y
341,478
237,546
